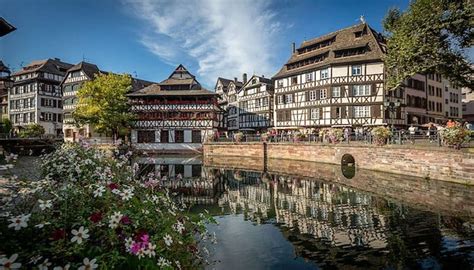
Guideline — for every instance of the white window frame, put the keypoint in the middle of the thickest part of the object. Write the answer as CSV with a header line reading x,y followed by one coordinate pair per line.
x,y
280,99
324,73
336,91
323,94
288,98
361,90
312,95
361,111
356,70
309,77
314,114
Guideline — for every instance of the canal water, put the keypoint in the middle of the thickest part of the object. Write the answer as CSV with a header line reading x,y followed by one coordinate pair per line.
x,y
316,216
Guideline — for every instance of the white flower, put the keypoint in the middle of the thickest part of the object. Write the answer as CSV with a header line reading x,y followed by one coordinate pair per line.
x,y
19,222
179,227
162,262
128,243
127,194
9,263
168,240
44,265
150,251
45,204
80,235
66,267
115,220
99,191
116,191
178,264
88,265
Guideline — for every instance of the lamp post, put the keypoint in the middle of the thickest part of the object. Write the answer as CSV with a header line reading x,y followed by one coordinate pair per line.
x,y
392,107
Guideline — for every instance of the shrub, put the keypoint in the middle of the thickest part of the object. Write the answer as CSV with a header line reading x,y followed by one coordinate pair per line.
x,y
264,136
32,130
455,136
381,134
94,210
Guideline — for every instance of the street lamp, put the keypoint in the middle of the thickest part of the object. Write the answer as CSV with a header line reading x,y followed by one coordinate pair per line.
x,y
392,107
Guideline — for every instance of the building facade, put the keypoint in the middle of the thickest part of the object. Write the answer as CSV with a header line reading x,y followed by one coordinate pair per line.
x,y
5,84
221,89
256,104
36,96
333,81
233,105
468,104
175,115
75,77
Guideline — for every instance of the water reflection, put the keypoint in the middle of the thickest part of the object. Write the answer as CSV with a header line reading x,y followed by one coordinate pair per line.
x,y
329,225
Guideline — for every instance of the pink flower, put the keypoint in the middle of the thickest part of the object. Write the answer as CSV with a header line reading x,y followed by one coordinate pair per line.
x,y
113,186
125,220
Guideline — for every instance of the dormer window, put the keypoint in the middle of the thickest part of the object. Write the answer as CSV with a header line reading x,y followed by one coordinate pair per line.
x,y
254,81
294,80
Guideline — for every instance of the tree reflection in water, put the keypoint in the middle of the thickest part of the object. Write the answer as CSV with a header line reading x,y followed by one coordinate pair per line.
x,y
332,225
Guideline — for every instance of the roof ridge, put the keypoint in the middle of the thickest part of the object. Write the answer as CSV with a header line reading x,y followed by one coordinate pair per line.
x,y
334,32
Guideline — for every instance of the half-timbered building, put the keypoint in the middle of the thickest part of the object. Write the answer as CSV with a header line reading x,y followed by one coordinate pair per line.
x,y
233,105
175,115
333,80
255,104
36,96
5,85
221,88
73,80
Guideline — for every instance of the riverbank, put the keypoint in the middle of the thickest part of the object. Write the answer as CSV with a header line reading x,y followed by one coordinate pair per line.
x,y
430,163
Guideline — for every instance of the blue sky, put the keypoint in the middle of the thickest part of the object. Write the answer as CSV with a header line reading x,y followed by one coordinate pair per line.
x,y
150,37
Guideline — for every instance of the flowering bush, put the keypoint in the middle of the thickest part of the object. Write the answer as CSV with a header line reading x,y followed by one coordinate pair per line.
x,y
333,135
91,211
455,135
238,136
381,134
264,136
298,136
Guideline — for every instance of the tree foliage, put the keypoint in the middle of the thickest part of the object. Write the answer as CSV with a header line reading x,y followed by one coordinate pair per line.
x,y
103,103
7,126
32,130
430,36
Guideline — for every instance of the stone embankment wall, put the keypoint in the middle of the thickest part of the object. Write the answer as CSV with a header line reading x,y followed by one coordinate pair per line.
x,y
433,163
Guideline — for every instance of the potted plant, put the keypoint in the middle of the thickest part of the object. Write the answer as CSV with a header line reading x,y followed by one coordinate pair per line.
x,y
264,137
238,136
455,136
381,134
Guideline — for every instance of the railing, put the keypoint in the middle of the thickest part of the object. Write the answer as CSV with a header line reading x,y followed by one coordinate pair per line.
x,y
6,136
420,138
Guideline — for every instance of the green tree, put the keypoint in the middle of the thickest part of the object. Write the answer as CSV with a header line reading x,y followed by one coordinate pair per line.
x,y
103,103
7,126
32,130
430,36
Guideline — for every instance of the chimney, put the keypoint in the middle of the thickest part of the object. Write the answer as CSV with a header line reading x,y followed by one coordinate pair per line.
x,y
263,76
57,59
244,78
235,79
293,47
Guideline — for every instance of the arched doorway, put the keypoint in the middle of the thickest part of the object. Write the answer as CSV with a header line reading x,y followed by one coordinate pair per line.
x,y
348,166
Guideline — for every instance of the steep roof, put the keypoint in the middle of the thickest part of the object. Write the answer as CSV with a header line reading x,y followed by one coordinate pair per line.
x,y
54,66
180,83
89,69
4,68
5,27
352,44
261,79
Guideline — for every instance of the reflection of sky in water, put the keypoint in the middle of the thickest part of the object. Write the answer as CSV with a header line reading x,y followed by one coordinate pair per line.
x,y
244,245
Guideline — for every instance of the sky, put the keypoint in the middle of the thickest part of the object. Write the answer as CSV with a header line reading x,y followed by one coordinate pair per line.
x,y
149,38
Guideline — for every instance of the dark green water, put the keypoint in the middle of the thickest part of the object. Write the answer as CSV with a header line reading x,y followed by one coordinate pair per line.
x,y
288,221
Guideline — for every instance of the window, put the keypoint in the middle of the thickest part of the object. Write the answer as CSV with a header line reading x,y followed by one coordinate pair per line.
x,y
309,77
179,169
294,80
280,84
361,90
258,103
146,136
312,95
323,94
281,99
356,70
265,101
324,73
179,136
196,136
361,111
314,114
289,98
164,136
196,170
336,91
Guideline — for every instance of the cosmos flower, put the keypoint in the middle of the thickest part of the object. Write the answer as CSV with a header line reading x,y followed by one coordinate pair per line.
x,y
80,235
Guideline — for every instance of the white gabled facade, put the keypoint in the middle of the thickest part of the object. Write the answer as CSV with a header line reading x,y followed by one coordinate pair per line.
x,y
255,104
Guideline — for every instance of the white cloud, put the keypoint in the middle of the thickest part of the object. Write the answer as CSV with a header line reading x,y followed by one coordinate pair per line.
x,y
224,38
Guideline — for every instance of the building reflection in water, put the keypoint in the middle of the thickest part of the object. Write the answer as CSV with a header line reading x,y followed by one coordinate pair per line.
x,y
328,223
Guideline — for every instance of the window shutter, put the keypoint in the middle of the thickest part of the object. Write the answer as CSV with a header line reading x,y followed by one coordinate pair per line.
x,y
375,111
350,111
42,102
307,95
329,92
343,112
373,88
321,113
318,94
333,112
54,103
349,91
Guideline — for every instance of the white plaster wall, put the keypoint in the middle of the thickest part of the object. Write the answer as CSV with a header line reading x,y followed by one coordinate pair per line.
x,y
374,68
339,71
